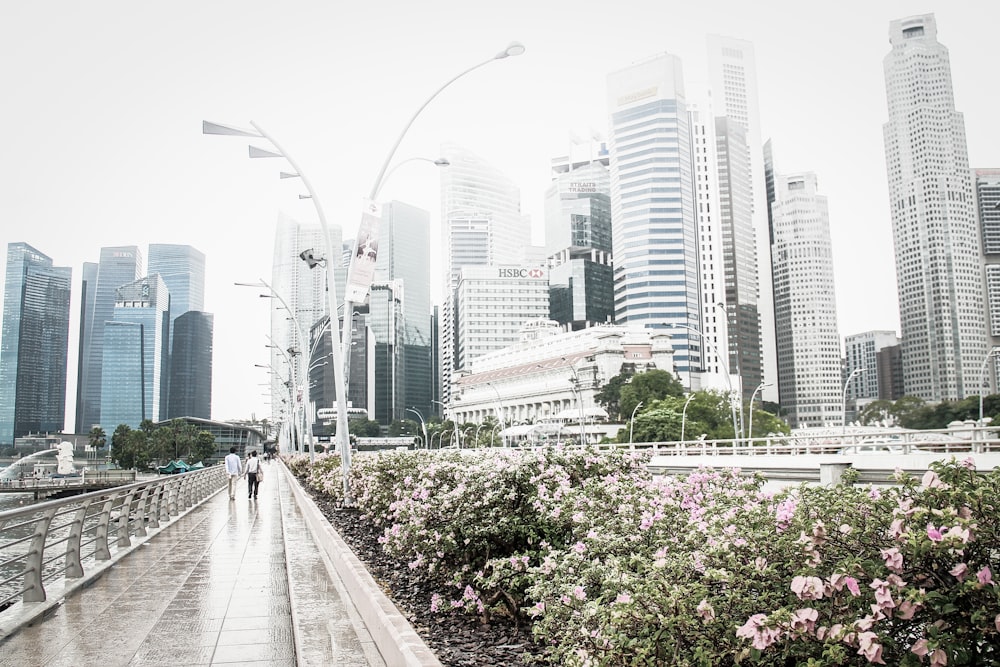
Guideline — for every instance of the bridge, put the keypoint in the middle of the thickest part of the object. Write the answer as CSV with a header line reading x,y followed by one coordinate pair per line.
x,y
171,571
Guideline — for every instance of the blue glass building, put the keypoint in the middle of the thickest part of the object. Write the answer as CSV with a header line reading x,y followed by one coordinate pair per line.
x,y
190,392
33,345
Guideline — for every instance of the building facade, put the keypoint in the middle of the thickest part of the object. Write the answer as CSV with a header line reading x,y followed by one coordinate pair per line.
x,y
118,265
988,210
936,239
190,386
34,343
654,228
809,361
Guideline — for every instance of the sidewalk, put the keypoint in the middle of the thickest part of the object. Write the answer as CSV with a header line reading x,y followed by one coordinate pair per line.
x,y
233,582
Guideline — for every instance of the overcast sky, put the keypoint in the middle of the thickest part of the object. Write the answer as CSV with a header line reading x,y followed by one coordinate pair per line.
x,y
103,103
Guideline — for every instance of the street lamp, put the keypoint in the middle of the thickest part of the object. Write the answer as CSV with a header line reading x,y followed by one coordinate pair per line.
x,y
500,415
684,414
855,372
982,379
631,422
725,368
423,424
579,397
342,437
443,408
752,397
287,384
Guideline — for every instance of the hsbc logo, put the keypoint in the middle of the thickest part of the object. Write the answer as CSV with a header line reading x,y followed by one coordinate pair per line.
x,y
510,272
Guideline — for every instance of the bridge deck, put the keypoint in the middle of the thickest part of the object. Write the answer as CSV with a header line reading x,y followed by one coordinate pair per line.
x,y
232,582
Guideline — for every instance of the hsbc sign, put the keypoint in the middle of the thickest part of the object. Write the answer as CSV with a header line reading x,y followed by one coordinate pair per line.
x,y
515,272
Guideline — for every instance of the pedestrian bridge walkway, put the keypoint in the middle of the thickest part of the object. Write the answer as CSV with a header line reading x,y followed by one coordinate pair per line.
x,y
230,582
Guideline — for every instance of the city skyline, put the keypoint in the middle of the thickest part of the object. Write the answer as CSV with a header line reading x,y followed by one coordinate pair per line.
x,y
108,150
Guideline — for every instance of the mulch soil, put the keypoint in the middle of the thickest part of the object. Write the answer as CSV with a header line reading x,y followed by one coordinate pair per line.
x,y
457,639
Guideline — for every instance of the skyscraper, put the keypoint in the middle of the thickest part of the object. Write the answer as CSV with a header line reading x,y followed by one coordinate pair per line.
x,y
33,344
482,225
809,363
578,239
750,301
865,351
135,354
118,265
182,268
190,387
937,245
654,229
988,208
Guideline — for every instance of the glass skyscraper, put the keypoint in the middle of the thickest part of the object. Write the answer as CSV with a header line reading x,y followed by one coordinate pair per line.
x,y
33,344
135,354
939,264
119,265
190,393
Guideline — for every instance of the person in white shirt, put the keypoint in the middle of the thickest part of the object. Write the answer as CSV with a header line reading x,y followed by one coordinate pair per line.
x,y
254,474
234,469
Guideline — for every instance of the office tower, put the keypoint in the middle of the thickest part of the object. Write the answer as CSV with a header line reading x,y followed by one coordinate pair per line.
x,y
33,344
654,228
135,354
578,238
809,363
938,251
404,248
715,371
88,288
182,269
733,79
118,265
303,291
386,320
736,210
863,352
190,386
482,225
492,305
988,209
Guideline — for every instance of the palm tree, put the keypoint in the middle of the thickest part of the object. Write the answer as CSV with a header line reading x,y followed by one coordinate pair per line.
x,y
98,438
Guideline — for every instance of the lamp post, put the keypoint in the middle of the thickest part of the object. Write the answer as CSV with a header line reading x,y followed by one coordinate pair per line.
x,y
342,437
354,280
725,368
300,334
684,414
292,392
752,397
855,372
286,383
443,408
423,424
579,397
631,423
982,380
500,416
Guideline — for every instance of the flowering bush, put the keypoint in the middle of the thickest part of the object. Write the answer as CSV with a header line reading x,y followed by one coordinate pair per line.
x,y
615,567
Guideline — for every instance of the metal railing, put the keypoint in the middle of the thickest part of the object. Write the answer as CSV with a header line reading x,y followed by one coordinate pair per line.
x,y
59,539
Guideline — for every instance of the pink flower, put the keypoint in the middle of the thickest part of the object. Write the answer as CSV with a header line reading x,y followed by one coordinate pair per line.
x,y
938,658
852,586
933,533
959,571
869,647
623,598
706,611
920,648
882,594
907,609
804,620
985,576
932,481
757,632
893,559
807,588
579,593
896,528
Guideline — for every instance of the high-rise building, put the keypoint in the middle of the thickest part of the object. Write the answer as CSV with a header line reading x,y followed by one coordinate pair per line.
x,y
88,288
33,344
182,268
404,246
937,245
578,239
809,362
135,354
190,387
733,80
118,265
482,225
988,209
386,320
863,353
654,227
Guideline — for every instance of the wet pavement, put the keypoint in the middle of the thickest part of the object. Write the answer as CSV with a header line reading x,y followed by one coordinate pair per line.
x,y
233,582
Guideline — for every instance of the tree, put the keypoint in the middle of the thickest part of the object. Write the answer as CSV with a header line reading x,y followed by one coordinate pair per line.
x,y
880,412
610,394
646,387
97,437
203,447
364,428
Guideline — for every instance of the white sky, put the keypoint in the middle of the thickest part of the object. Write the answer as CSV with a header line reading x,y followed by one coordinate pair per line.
x,y
103,103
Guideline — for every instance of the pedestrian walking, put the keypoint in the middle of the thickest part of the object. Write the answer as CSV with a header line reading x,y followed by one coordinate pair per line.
x,y
234,468
255,473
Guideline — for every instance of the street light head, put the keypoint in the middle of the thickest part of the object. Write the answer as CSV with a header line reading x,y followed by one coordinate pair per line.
x,y
208,127
513,49
309,258
442,162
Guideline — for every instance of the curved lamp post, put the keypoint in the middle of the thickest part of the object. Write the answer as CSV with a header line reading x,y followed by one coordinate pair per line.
x,y
500,416
725,368
684,414
854,373
512,49
631,423
287,384
982,380
423,424
579,397
752,397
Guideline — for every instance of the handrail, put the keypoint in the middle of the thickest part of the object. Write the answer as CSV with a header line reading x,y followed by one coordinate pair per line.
x,y
56,539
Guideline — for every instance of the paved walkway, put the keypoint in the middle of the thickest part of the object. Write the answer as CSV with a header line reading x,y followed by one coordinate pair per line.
x,y
233,582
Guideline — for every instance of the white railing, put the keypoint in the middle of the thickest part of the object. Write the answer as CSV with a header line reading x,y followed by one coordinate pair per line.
x,y
59,539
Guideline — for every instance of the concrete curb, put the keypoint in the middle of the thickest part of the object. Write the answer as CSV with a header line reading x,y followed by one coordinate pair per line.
x,y
395,638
